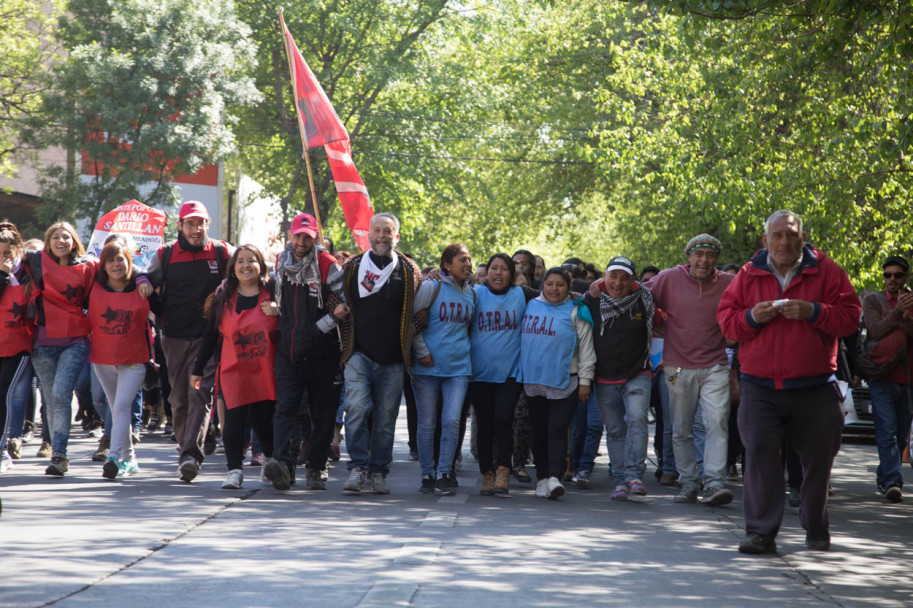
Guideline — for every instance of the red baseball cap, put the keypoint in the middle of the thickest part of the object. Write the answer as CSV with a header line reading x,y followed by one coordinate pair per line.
x,y
193,209
304,223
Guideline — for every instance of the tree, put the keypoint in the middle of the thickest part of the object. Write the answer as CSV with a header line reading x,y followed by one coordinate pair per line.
x,y
26,28
146,93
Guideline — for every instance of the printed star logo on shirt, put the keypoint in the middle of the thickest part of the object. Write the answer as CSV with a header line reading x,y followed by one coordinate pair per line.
x,y
110,315
72,293
243,340
18,310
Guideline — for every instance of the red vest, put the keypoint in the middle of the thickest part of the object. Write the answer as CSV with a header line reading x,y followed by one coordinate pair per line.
x,y
64,294
15,331
247,368
120,327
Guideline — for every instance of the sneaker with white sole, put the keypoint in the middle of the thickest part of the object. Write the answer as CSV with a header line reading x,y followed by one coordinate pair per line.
x,y
582,479
555,489
716,496
233,480
620,493
377,484
316,479
356,481
188,470
6,463
687,495
637,487
542,488
126,468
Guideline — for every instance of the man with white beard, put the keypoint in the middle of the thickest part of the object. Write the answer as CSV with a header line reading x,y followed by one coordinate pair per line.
x,y
380,286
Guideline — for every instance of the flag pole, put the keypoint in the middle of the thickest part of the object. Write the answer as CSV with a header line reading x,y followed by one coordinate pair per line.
x,y
304,153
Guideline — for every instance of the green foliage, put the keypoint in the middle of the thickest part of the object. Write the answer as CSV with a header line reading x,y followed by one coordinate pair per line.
x,y
26,29
568,128
736,109
144,94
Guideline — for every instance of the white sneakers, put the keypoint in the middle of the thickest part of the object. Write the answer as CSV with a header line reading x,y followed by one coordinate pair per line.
x,y
549,488
555,489
233,480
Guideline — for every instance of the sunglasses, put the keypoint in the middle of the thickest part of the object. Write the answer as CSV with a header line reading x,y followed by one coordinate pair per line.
x,y
894,275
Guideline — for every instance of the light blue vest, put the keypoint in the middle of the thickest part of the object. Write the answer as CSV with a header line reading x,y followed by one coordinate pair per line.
x,y
495,337
447,335
547,344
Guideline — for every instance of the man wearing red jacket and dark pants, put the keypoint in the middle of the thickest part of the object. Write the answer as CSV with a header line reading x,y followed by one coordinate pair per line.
x,y
787,307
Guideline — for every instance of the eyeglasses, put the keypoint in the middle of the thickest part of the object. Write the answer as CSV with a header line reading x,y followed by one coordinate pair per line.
x,y
894,275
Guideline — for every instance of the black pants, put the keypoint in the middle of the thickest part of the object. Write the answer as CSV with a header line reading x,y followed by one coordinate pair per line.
x,y
234,430
494,407
411,411
318,376
813,419
550,419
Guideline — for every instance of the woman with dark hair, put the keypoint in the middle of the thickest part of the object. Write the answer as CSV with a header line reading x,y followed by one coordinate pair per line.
x,y
495,355
121,345
443,364
16,339
62,277
557,362
242,314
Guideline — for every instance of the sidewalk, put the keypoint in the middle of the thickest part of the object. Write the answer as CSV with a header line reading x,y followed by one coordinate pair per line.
x,y
154,541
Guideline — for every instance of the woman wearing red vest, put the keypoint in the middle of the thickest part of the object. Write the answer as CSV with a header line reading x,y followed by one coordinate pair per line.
x,y
62,277
15,331
120,348
243,315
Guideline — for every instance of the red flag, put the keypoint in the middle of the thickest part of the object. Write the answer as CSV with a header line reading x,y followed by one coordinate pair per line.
x,y
320,126
356,204
317,120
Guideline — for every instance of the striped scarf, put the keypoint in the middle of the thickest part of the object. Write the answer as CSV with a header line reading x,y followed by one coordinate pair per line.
x,y
610,308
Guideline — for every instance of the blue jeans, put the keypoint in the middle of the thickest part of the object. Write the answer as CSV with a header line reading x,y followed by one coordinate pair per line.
x,y
891,415
662,391
18,400
58,369
429,390
372,398
586,433
624,412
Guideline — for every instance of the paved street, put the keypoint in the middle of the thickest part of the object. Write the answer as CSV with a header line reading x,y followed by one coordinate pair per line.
x,y
154,541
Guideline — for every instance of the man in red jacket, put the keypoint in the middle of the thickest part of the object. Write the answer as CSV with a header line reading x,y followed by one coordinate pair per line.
x,y
787,307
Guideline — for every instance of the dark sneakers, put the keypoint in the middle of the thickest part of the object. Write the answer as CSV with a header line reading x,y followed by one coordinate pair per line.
x,y
822,543
893,494
758,544
188,470
444,485
59,465
109,470
278,474
427,485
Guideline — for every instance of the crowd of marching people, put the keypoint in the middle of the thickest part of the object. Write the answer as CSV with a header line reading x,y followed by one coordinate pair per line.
x,y
282,361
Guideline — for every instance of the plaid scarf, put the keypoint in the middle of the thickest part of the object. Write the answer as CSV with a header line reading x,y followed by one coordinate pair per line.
x,y
304,272
610,308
